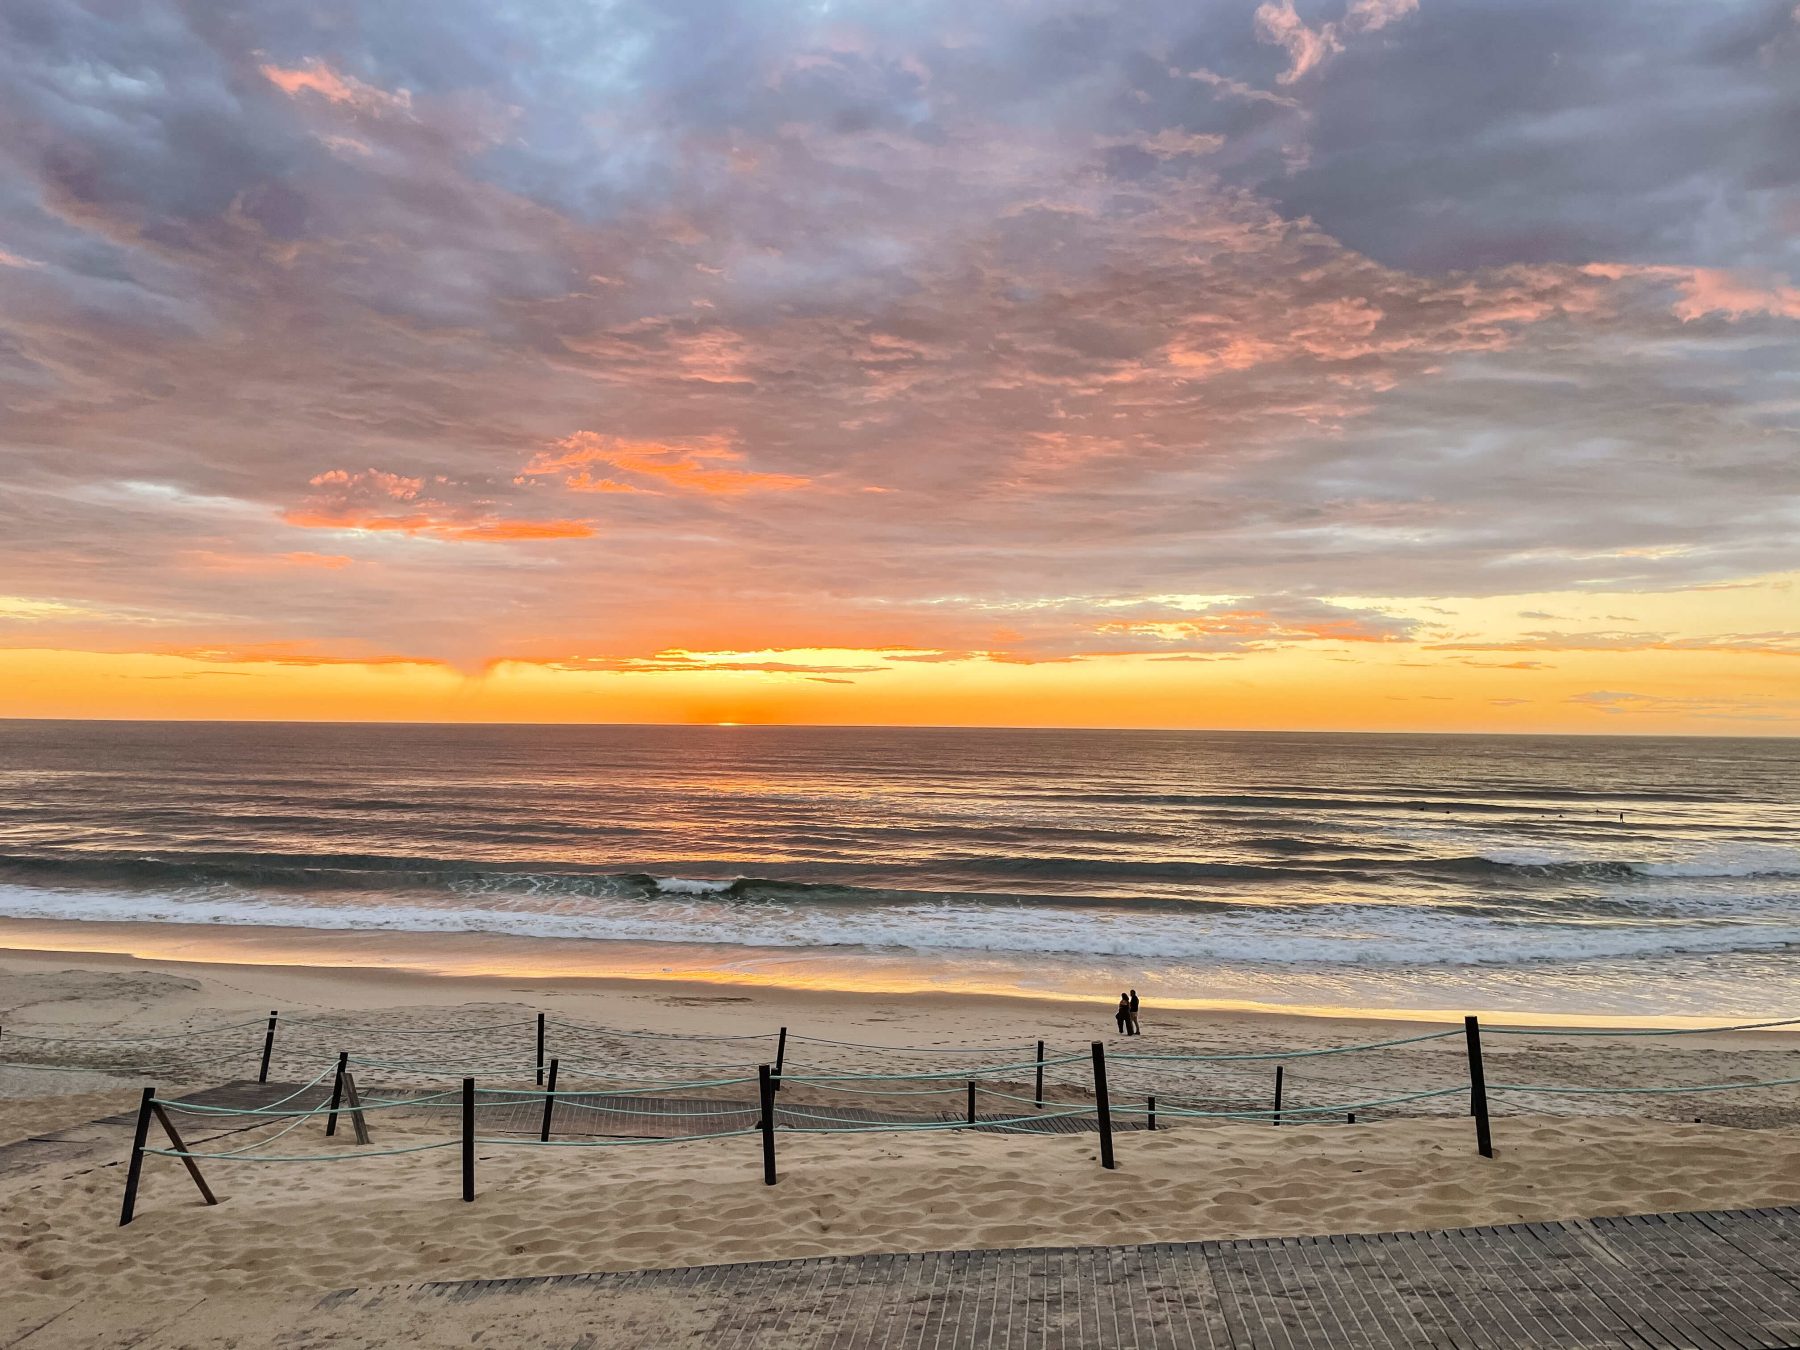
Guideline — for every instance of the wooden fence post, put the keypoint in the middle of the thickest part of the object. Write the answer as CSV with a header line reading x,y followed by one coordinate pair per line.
x,y
1102,1107
136,1168
1040,1076
540,1048
360,1125
1278,1077
1478,1103
193,1168
337,1092
262,1075
1151,1112
765,1086
969,1117
549,1104
780,1056
468,1139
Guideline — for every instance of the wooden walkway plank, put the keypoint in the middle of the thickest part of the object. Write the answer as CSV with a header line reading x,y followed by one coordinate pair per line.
x,y
1713,1281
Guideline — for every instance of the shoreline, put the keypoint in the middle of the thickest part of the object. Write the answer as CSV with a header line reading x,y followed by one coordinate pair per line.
x,y
414,966
461,965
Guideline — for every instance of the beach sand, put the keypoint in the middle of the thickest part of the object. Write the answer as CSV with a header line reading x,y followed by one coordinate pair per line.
x,y
286,1234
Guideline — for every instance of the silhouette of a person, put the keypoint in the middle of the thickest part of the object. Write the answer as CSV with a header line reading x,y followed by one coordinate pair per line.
x,y
1134,1012
1123,1015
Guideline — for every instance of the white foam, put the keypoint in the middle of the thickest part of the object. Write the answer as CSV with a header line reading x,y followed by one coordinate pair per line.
x,y
1732,860
691,886
1341,935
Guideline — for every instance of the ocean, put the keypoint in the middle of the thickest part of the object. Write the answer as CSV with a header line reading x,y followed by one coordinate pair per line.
x,y
1605,877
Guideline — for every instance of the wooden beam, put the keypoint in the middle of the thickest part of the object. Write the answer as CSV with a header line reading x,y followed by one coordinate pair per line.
x,y
181,1148
357,1122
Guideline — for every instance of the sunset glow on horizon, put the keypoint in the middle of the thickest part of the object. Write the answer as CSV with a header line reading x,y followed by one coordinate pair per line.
x,y
1363,365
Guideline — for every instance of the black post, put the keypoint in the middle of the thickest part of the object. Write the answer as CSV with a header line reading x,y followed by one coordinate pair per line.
x,y
1040,1076
549,1104
1278,1077
1350,1119
540,1059
1152,1113
262,1075
1478,1106
765,1085
780,1056
337,1093
136,1168
468,1139
1102,1107
971,1113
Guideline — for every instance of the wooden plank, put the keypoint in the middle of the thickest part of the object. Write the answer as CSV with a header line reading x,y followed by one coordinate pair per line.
x,y
193,1167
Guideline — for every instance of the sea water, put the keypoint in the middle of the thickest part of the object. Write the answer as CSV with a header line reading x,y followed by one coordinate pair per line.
x,y
1592,875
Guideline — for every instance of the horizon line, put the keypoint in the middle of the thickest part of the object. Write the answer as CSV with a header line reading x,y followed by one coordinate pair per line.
x,y
916,726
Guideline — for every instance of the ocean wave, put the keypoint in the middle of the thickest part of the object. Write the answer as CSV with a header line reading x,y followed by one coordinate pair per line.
x,y
1346,935
1041,880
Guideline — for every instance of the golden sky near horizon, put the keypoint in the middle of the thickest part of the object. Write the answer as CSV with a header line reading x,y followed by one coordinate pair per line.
x,y
1366,364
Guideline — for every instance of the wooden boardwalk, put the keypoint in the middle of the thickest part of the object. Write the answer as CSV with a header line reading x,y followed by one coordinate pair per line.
x,y
1712,1281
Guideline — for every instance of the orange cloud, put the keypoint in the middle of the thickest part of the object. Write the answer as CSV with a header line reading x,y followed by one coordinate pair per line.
x,y
364,501
315,77
683,467
371,481
462,531
286,654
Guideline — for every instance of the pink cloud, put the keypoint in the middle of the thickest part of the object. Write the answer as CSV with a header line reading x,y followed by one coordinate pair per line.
x,y
315,77
683,467
1278,22
365,500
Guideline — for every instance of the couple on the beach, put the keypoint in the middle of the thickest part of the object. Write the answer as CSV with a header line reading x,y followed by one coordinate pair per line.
x,y
1127,1014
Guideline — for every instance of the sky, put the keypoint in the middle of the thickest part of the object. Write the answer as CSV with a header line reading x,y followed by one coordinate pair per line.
x,y
1366,364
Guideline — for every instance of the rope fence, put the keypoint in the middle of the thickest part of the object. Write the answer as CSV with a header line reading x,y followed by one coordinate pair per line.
x,y
629,1088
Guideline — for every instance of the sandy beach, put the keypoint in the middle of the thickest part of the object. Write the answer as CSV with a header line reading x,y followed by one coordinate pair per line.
x,y
290,1231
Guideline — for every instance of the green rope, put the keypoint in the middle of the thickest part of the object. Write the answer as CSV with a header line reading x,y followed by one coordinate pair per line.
x,y
988,1070
594,1028
396,1029
10,1034
346,1156
182,1062
612,1143
1634,1031
1286,1054
906,1128
917,1049
178,1105
1336,1109
895,1092
1701,1087
689,1115
663,1085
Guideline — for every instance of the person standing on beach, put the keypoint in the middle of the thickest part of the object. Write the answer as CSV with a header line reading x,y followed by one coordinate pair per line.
x,y
1134,1010
1123,1015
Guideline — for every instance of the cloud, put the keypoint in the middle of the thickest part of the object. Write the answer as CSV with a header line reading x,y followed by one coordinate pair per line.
x,y
1713,290
1278,22
966,332
315,77
1771,643
373,500
1617,703
689,467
